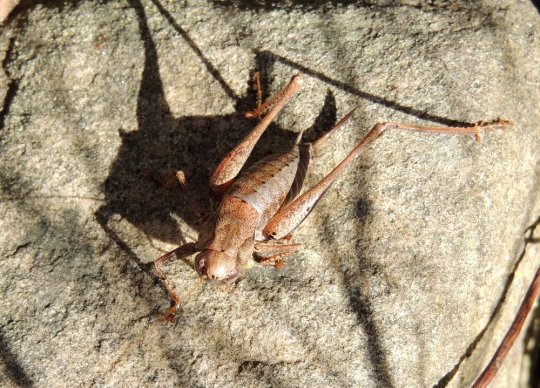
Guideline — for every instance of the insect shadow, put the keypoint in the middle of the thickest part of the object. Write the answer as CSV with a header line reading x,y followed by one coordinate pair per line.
x,y
163,144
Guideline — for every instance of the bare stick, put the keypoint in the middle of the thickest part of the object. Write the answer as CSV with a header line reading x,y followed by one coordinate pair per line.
x,y
511,335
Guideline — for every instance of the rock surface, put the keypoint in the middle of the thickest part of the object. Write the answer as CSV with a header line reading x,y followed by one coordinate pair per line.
x,y
405,259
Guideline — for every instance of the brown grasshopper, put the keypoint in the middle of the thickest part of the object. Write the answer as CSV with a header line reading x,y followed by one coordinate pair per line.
x,y
255,211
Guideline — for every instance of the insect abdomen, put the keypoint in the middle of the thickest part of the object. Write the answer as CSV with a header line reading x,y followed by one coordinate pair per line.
x,y
266,184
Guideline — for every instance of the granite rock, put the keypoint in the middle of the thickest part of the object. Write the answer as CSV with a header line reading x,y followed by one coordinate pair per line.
x,y
413,264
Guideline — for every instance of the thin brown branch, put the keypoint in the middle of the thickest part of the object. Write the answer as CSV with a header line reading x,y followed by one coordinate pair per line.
x,y
511,335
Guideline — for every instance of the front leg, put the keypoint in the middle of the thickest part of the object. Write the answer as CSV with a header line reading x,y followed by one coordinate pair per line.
x,y
179,253
273,253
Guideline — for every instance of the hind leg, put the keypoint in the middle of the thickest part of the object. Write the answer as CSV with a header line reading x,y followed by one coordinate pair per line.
x,y
231,165
290,216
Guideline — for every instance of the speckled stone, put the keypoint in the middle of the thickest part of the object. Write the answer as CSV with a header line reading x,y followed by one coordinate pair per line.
x,y
404,260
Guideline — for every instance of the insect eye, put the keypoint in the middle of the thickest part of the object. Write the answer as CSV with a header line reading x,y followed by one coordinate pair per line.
x,y
201,266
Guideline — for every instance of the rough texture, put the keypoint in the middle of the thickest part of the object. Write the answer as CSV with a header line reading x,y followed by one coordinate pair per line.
x,y
405,259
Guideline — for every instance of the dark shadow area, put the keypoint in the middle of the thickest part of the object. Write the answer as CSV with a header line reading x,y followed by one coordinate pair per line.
x,y
531,336
12,366
22,8
536,3
474,9
58,4
271,57
304,5
12,85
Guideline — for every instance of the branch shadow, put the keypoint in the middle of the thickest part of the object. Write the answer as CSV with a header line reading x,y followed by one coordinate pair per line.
x,y
356,274
304,5
360,302
423,115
